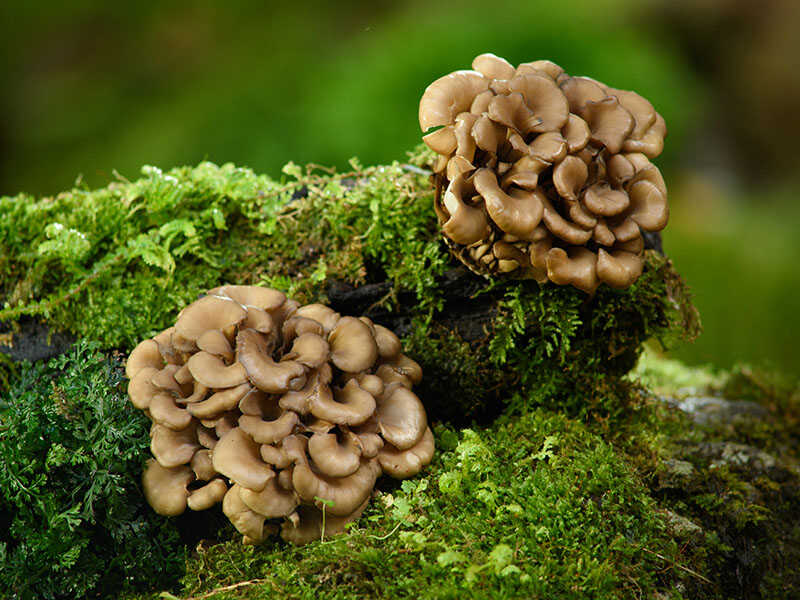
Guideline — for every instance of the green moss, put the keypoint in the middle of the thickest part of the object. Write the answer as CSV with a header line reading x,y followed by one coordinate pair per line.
x,y
736,476
535,506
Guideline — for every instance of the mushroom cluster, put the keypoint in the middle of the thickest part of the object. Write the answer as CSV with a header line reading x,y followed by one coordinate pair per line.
x,y
276,410
543,175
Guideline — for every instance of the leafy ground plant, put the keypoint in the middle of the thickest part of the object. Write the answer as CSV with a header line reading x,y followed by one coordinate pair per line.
x,y
73,522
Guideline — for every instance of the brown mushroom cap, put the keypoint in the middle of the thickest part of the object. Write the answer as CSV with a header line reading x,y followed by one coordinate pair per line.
x,y
334,457
253,352
371,444
402,464
300,400
345,494
247,522
214,342
260,320
275,456
263,298
140,388
407,367
401,417
212,372
257,403
618,269
164,411
165,488
544,98
464,224
209,312
517,213
309,349
353,347
349,405
442,141
202,466
208,495
219,402
271,502
577,267
145,355
269,432
449,96
237,457
493,67
370,383
324,315
172,448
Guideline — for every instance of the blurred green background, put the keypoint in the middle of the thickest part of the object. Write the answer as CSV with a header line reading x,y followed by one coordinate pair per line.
x,y
90,88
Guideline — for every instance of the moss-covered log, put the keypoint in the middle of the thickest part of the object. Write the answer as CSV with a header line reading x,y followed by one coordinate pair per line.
x,y
575,480
116,264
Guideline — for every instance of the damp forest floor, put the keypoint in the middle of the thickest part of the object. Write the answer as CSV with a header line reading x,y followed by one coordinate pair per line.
x,y
670,482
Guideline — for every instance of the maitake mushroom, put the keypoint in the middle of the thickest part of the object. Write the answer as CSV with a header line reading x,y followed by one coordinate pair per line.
x,y
542,175
276,410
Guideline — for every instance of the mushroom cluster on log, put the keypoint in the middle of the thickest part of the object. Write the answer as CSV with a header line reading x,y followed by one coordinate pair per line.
x,y
276,410
543,175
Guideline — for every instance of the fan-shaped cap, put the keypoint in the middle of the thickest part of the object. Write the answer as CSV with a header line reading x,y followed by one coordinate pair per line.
x,y
140,388
309,349
273,377
340,495
324,315
350,405
448,96
401,417
212,372
219,402
165,489
164,411
353,347
172,448
574,267
202,466
463,223
145,355
402,464
517,213
237,457
209,312
493,67
269,432
266,299
214,342
272,502
208,495
246,521
333,456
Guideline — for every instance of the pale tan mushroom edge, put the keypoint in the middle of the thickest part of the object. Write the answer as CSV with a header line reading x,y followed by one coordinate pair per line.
x,y
277,411
543,175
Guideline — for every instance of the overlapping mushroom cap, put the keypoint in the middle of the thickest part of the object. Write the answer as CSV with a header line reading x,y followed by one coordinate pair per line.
x,y
277,411
544,175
